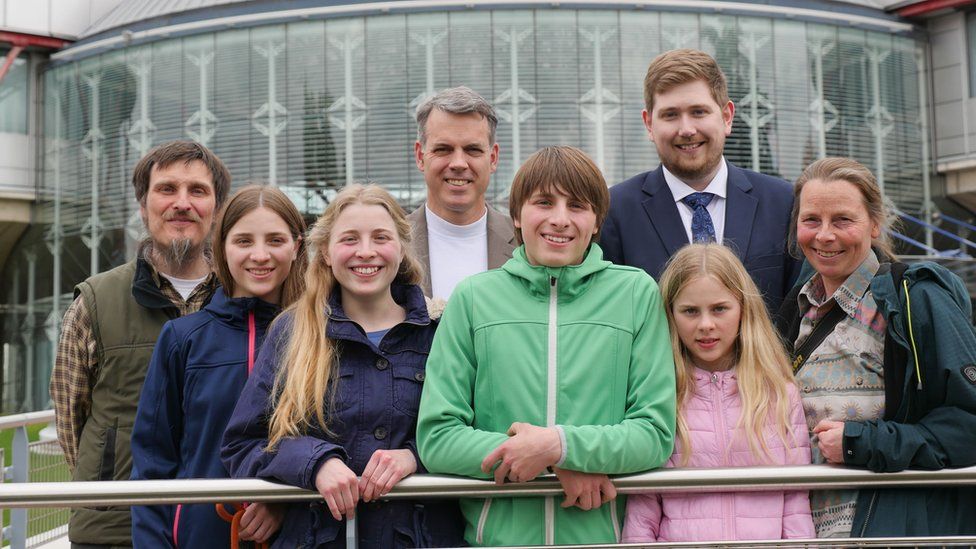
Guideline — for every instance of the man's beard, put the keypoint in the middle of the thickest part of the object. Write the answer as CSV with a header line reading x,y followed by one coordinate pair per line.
x,y
179,254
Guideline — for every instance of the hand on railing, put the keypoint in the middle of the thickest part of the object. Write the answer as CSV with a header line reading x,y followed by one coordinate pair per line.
x,y
339,486
525,455
384,470
585,490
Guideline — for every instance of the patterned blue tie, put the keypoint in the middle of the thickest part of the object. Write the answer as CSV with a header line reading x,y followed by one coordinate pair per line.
x,y
702,229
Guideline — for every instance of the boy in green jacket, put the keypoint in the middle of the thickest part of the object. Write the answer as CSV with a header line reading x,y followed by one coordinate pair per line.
x,y
559,360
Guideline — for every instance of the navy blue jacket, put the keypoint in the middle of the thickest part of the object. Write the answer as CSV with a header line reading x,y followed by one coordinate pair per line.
x,y
198,369
643,227
375,408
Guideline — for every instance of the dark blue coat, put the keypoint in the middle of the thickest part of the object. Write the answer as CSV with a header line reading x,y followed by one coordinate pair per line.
x,y
643,227
198,369
375,408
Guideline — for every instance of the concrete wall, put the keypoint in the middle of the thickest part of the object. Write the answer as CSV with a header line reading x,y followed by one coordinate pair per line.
x,y
954,109
59,18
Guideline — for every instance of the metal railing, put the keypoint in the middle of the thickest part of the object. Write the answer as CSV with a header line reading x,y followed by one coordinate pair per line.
x,y
32,462
751,479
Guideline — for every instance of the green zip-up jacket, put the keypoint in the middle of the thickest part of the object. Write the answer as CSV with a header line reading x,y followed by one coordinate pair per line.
x,y
584,348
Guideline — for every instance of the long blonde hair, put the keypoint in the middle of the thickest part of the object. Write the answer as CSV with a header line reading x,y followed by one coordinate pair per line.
x,y
303,388
762,367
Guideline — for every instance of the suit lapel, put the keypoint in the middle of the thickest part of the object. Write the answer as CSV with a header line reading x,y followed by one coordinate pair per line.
x,y
740,211
663,212
501,239
421,249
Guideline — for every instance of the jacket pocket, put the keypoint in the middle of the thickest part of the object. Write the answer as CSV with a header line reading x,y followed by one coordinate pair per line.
x,y
106,466
408,383
347,392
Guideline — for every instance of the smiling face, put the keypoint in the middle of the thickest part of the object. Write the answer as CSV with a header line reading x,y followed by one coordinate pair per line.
x,y
834,230
179,205
260,250
689,129
556,228
457,160
364,252
706,317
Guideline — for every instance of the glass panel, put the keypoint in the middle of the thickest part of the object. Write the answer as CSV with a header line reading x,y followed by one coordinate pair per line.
x,y
13,95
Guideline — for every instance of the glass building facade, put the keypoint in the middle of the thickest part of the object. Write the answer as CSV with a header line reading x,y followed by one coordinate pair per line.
x,y
311,105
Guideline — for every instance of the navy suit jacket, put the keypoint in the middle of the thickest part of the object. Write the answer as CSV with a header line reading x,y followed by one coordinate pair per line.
x,y
643,228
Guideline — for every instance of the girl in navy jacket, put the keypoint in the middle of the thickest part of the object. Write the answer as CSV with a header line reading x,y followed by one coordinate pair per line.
x,y
200,364
335,392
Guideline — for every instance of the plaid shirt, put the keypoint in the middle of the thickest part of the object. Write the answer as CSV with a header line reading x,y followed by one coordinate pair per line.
x,y
76,364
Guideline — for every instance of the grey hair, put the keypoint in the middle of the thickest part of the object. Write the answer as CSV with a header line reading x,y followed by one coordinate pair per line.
x,y
459,100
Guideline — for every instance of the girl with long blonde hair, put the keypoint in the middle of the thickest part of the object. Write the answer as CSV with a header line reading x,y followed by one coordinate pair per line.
x,y
335,393
737,406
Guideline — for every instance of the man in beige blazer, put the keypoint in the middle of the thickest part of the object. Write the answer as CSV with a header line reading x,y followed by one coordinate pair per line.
x,y
455,233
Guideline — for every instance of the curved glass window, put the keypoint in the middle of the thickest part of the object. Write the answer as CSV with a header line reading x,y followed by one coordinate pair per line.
x,y
312,105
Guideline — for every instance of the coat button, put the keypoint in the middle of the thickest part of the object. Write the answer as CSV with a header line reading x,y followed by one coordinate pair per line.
x,y
419,376
382,364
379,433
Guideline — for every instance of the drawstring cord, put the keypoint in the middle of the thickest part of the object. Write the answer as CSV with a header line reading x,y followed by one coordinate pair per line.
x,y
235,523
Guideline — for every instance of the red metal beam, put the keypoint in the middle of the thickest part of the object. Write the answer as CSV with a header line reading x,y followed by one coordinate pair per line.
x,y
27,40
928,6
11,55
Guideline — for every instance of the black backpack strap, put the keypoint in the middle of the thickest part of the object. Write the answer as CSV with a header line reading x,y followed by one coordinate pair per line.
x,y
820,332
895,356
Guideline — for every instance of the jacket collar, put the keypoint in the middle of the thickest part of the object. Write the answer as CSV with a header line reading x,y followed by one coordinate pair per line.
x,y
234,310
408,296
572,280
726,381
146,286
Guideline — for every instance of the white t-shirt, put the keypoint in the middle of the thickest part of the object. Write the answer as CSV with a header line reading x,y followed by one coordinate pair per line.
x,y
456,252
716,208
184,286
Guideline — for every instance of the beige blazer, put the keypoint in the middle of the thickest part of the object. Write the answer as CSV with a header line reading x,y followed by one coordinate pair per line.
x,y
501,240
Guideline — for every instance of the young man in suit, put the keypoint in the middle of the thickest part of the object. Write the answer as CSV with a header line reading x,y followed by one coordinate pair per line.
x,y
695,194
455,233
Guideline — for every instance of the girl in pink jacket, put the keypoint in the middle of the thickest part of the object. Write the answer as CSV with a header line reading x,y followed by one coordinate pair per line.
x,y
737,406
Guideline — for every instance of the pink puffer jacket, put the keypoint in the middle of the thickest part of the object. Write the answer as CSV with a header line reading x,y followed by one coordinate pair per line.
x,y
711,415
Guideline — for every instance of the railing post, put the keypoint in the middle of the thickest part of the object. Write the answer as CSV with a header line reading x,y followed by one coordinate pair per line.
x,y
352,539
20,463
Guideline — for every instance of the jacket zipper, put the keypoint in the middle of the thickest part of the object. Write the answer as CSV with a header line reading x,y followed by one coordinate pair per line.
x,y
723,432
867,516
551,397
874,492
251,333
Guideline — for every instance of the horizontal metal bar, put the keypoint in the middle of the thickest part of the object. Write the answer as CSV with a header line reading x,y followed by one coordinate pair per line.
x,y
945,541
747,479
30,418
